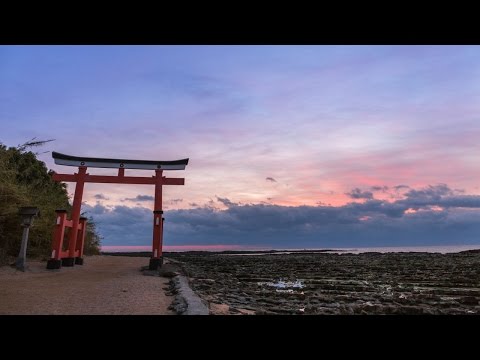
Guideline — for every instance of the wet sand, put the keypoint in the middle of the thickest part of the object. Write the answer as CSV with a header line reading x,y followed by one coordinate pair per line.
x,y
369,283
105,285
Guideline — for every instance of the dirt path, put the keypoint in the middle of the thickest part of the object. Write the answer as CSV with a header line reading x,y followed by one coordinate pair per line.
x,y
110,285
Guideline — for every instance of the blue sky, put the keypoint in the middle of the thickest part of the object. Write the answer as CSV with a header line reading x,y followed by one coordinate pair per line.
x,y
287,132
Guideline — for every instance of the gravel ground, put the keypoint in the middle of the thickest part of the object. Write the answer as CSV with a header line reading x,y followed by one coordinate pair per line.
x,y
105,285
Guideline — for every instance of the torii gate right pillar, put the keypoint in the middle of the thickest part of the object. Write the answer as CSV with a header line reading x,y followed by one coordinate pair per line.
x,y
156,260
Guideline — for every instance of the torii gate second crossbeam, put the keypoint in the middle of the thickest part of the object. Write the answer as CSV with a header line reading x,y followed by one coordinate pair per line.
x,y
74,253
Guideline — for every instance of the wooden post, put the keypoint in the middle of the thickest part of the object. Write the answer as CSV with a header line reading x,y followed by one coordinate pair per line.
x,y
156,259
55,261
77,204
81,241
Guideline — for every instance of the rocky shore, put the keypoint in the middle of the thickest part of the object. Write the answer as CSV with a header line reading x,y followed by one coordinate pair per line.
x,y
328,283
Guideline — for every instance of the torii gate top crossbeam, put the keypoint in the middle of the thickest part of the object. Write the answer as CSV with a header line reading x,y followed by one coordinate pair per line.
x,y
68,160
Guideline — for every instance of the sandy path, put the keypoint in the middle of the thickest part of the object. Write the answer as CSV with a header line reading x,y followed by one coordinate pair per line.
x,y
110,285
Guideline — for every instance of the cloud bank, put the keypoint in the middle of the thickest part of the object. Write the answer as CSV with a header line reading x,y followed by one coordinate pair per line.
x,y
433,215
141,198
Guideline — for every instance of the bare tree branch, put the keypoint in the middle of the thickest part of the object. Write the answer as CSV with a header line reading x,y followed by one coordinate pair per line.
x,y
33,143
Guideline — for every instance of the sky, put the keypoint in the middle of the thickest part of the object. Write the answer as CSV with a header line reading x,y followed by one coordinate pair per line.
x,y
289,146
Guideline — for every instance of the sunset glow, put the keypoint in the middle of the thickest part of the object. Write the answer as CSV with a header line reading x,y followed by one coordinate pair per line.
x,y
372,137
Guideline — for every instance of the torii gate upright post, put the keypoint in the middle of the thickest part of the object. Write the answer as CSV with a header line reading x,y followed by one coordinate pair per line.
x,y
76,208
157,242
74,254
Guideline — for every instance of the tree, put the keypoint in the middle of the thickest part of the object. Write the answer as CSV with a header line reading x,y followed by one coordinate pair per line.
x,y
26,181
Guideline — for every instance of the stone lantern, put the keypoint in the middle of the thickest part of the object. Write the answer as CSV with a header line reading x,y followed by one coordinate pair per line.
x,y
27,214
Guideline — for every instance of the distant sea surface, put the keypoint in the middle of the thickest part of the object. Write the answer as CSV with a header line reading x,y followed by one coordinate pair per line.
x,y
355,250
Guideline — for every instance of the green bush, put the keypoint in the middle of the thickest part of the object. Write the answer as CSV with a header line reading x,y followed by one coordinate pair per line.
x,y
26,181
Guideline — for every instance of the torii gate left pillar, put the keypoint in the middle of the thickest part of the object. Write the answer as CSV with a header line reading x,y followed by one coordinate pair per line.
x,y
74,253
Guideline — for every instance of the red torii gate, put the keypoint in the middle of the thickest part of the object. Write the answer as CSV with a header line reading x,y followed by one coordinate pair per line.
x,y
74,253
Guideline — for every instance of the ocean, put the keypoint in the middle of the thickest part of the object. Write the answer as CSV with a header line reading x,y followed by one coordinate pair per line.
x,y
443,249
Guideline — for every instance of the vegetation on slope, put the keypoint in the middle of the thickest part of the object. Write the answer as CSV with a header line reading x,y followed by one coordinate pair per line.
x,y
26,181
